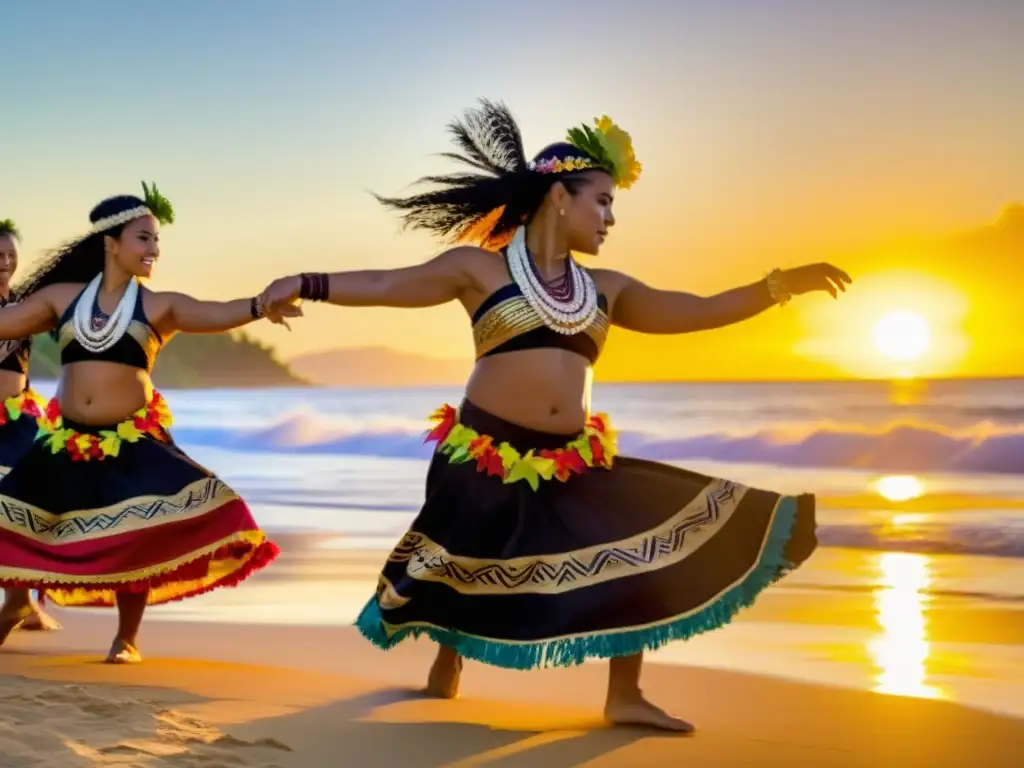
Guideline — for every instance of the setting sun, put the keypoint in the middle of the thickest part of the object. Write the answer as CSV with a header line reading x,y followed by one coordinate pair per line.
x,y
902,336
895,325
899,487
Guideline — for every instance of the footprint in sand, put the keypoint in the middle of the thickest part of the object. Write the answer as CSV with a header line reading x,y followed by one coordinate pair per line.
x,y
62,726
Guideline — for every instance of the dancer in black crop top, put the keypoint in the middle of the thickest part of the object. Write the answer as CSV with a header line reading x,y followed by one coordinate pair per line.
x,y
504,563
20,404
14,353
133,520
506,322
138,347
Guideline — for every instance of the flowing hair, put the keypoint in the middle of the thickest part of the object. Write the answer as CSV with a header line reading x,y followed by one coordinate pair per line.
x,y
78,260
484,205
81,259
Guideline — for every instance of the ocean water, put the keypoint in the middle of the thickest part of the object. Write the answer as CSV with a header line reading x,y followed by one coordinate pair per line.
x,y
917,589
352,461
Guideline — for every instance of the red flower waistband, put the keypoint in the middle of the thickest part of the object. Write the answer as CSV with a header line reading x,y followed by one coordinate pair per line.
x,y
152,419
28,403
596,446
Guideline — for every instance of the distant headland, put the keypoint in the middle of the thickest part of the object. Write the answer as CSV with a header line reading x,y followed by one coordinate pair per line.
x,y
195,362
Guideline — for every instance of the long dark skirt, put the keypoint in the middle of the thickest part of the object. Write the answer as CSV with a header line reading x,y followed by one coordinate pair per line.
x,y
608,563
148,518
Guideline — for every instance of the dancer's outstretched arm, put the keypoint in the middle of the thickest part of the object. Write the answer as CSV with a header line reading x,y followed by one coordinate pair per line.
x,y
639,307
35,314
438,281
179,312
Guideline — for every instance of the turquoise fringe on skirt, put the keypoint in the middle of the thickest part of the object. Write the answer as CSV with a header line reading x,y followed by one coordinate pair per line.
x,y
565,652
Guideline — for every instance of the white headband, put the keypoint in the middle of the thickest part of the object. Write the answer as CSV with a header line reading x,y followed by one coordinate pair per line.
x,y
121,218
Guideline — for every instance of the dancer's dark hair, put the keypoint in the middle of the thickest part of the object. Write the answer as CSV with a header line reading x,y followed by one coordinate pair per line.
x,y
486,204
81,259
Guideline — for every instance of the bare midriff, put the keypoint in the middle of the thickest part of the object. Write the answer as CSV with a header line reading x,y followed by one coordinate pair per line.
x,y
547,390
100,393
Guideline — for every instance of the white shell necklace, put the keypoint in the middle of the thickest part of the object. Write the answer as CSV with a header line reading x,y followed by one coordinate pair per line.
x,y
103,338
566,317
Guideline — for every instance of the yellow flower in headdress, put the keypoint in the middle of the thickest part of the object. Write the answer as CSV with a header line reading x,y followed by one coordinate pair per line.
x,y
619,147
611,146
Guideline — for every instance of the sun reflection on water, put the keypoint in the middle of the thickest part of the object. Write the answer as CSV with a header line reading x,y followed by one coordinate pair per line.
x,y
901,652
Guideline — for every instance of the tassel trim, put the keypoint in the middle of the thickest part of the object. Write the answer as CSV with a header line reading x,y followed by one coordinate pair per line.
x,y
96,593
772,565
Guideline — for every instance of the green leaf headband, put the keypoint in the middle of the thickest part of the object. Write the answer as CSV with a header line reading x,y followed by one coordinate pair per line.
x,y
154,204
8,227
606,146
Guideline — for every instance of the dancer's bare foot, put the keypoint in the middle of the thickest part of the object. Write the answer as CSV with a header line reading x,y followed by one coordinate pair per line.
x,y
636,710
11,619
443,680
40,621
123,652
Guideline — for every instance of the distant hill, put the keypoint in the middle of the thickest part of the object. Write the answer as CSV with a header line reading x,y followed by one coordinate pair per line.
x,y
195,361
378,367
1004,238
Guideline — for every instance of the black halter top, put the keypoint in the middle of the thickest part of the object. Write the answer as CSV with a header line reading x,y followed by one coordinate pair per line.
x,y
14,353
138,347
506,322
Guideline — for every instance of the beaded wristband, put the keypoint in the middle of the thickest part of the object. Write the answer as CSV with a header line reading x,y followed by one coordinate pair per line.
x,y
255,308
314,286
776,282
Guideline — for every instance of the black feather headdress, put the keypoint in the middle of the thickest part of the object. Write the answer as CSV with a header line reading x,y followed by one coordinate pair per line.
x,y
502,189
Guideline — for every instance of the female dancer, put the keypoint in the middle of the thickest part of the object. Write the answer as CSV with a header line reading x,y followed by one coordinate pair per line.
x,y
537,545
22,406
105,509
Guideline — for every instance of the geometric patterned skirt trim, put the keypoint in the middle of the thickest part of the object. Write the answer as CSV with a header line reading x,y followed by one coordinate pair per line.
x,y
612,562
148,518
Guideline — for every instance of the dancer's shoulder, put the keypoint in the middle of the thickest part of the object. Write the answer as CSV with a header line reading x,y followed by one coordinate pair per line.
x,y
59,296
610,282
472,259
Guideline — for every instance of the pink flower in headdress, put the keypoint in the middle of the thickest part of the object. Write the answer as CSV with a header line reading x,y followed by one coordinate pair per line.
x,y
547,166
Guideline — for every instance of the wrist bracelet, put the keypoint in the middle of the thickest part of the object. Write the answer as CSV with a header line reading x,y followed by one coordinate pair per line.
x,y
776,282
255,308
315,286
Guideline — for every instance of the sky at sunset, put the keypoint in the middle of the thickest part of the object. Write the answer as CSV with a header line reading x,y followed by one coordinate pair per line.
x,y
883,135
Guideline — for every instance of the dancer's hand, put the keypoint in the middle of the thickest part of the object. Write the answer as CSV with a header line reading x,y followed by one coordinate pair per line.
x,y
282,292
279,312
815,277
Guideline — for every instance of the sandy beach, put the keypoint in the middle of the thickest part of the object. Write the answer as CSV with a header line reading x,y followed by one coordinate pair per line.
x,y
897,644
231,695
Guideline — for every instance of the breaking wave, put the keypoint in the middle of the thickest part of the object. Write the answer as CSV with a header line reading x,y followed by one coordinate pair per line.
x,y
900,447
